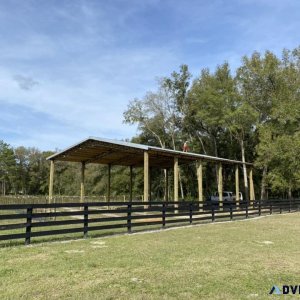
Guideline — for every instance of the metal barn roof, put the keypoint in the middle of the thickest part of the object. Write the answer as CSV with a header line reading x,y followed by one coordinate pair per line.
x,y
114,152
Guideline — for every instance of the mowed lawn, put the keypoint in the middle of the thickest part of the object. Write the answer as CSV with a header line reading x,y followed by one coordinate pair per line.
x,y
233,260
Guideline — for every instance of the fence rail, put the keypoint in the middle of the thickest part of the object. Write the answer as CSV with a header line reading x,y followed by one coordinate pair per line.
x,y
40,199
38,220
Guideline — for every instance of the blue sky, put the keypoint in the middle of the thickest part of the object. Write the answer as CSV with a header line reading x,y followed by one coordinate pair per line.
x,y
69,68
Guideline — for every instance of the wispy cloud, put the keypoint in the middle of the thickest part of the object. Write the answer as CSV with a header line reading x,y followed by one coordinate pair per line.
x,y
25,83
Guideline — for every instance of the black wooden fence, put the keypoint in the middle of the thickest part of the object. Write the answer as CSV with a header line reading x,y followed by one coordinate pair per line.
x,y
38,220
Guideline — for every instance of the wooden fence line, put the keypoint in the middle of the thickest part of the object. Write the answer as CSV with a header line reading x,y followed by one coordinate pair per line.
x,y
42,199
131,214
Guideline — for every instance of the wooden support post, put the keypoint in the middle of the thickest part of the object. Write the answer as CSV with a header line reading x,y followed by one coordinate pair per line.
x,y
167,185
131,183
146,176
220,185
51,180
82,181
252,194
108,182
237,186
150,184
176,176
200,184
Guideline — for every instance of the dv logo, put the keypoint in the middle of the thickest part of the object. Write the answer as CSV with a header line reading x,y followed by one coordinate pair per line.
x,y
286,289
275,290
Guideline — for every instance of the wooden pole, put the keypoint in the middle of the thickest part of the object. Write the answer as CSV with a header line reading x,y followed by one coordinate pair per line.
x,y
82,181
51,180
252,194
131,183
146,176
220,185
108,182
237,186
176,175
167,185
150,184
200,183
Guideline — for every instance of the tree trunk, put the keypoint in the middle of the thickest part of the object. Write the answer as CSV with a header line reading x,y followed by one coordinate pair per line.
x,y
245,171
202,144
263,194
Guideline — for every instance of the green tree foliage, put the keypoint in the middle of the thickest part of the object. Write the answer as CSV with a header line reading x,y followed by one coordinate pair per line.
x,y
7,168
247,116
211,98
270,85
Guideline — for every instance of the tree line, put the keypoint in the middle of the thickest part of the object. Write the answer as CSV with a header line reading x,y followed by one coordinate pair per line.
x,y
250,114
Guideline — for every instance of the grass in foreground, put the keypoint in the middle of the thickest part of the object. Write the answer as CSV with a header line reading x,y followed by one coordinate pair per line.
x,y
235,260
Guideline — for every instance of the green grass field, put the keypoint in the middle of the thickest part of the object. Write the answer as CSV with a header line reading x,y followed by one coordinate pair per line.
x,y
233,260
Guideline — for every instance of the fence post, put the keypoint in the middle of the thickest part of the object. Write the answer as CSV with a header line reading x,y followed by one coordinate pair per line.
x,y
280,206
191,213
212,213
163,215
271,207
290,206
231,215
129,217
86,220
294,204
28,225
247,204
259,207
